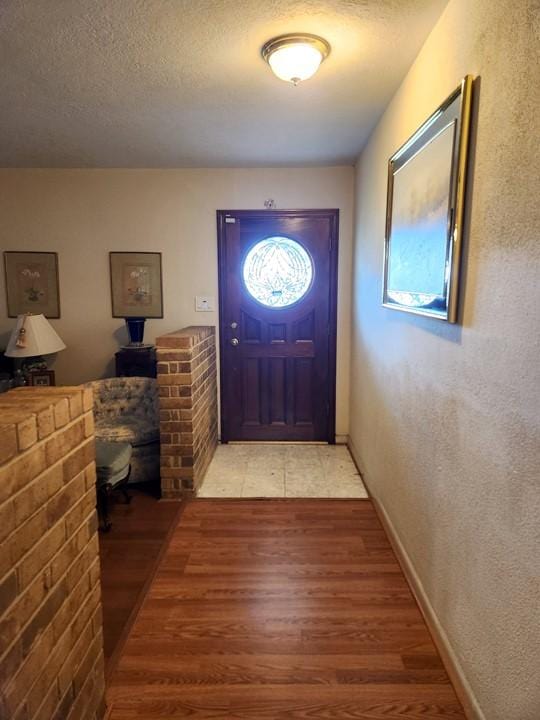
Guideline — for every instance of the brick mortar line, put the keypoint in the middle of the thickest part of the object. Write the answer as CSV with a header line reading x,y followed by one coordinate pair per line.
x,y
191,360
59,641
200,389
196,360
200,371
49,562
203,386
36,445
189,354
88,625
40,477
209,330
38,608
85,576
43,440
89,679
200,401
66,599
47,469
207,407
83,630
197,364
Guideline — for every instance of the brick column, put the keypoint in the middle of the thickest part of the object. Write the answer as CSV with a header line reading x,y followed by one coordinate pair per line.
x,y
187,379
51,656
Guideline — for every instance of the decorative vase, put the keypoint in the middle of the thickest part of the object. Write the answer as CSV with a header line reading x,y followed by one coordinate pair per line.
x,y
135,326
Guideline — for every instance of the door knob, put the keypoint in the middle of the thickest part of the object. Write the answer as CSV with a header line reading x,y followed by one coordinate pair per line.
x,y
235,342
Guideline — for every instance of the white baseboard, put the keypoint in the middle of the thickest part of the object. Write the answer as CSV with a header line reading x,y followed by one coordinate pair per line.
x,y
449,658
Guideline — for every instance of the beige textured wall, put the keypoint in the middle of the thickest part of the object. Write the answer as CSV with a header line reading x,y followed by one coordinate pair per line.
x,y
445,419
83,214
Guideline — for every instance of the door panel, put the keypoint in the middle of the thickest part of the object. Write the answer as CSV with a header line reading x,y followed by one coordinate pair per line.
x,y
303,391
251,391
278,351
278,390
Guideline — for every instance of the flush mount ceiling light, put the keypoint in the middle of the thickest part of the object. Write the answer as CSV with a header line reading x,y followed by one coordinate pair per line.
x,y
295,57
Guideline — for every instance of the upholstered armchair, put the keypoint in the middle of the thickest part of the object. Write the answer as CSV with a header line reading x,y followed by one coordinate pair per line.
x,y
126,409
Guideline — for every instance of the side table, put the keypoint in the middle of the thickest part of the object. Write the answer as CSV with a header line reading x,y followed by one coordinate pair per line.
x,y
136,362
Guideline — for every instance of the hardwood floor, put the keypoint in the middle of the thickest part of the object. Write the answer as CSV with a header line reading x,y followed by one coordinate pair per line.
x,y
274,609
129,554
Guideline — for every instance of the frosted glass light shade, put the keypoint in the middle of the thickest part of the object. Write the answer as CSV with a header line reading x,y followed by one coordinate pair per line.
x,y
40,338
295,62
294,58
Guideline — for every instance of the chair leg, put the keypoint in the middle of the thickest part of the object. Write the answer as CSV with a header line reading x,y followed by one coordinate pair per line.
x,y
103,492
122,488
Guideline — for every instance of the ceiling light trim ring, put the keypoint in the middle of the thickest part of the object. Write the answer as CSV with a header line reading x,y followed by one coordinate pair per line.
x,y
281,41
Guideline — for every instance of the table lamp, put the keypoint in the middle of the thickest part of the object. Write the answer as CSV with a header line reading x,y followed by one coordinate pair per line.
x,y
32,337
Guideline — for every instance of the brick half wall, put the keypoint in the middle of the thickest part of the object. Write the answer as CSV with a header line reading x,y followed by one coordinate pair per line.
x,y
187,379
51,641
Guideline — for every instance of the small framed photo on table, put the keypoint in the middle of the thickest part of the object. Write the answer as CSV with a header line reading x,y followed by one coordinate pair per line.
x,y
41,378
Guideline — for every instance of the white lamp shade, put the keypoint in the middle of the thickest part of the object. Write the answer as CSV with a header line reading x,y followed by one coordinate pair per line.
x,y
40,338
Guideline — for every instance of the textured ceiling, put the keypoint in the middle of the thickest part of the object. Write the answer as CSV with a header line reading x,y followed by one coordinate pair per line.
x,y
180,83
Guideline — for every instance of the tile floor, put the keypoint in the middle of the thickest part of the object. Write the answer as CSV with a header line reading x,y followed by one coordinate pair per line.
x,y
306,471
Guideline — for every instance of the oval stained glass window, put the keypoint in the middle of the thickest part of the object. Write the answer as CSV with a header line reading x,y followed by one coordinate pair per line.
x,y
277,272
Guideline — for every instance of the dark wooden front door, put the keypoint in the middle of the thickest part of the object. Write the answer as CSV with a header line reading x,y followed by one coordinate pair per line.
x,y
278,283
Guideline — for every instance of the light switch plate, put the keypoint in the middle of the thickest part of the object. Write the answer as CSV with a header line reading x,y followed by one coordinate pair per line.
x,y
204,303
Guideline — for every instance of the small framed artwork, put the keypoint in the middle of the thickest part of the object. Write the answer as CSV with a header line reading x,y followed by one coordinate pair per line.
x,y
32,283
424,215
41,378
136,285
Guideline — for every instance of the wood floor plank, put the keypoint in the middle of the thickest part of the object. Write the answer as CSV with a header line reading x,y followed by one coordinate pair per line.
x,y
280,610
291,702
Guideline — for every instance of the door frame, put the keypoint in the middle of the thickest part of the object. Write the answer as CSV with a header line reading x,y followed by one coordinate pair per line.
x,y
333,217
